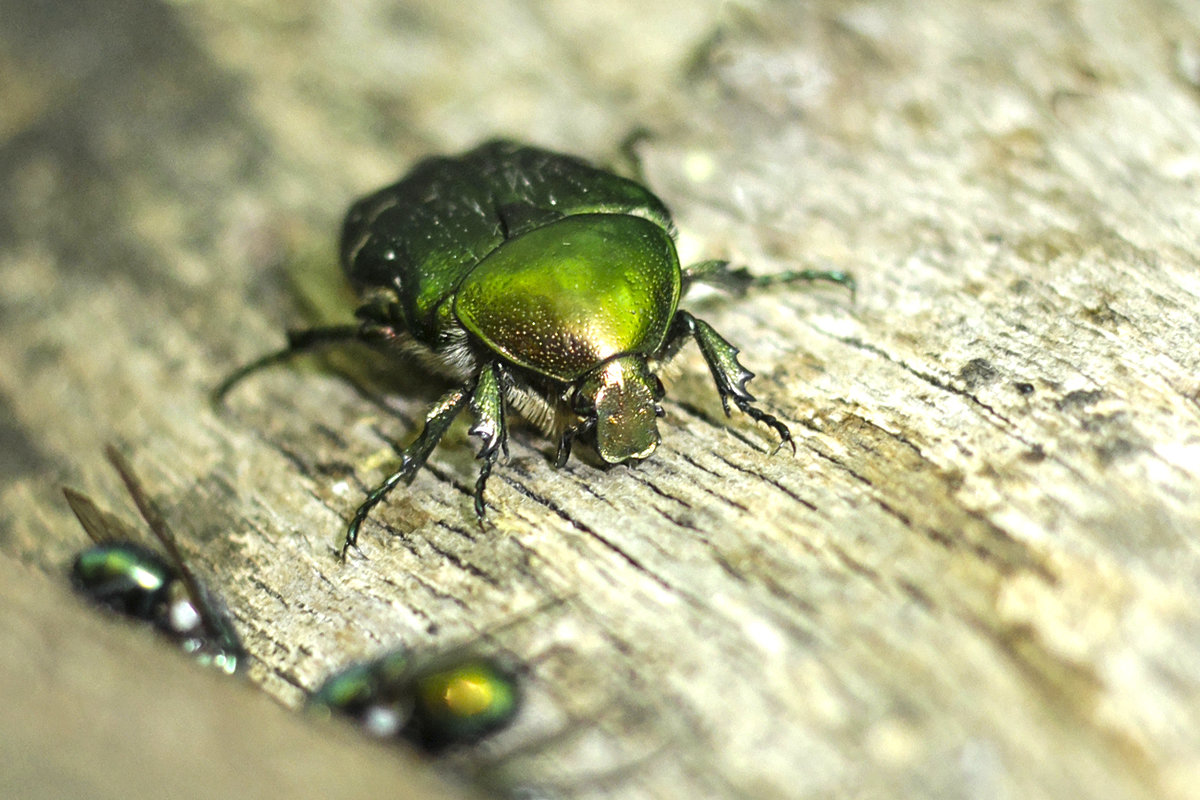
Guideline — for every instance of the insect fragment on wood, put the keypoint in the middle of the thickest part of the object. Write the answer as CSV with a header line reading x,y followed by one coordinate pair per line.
x,y
123,575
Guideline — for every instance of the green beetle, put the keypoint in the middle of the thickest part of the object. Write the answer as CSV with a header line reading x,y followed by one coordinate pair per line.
x,y
454,700
536,282
129,578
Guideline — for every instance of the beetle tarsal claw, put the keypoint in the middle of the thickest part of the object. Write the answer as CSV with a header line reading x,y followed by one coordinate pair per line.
x,y
785,437
782,430
348,548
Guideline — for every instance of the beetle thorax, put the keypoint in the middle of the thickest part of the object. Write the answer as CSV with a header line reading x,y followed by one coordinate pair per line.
x,y
562,299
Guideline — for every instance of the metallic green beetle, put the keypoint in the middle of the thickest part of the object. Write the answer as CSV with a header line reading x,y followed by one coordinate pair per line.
x,y
453,700
131,579
539,283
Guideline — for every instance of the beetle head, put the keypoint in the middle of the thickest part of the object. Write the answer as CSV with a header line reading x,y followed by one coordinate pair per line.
x,y
620,399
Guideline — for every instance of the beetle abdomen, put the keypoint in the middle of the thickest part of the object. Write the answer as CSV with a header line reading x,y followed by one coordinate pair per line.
x,y
564,297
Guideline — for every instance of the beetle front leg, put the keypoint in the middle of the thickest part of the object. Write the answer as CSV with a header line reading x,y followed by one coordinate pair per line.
x,y
727,372
412,459
487,403
568,437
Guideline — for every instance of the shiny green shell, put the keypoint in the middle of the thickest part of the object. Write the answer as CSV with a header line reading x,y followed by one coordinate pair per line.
x,y
124,577
462,702
558,264
564,297
455,700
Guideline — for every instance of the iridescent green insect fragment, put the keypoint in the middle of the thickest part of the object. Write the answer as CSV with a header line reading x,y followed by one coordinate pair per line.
x,y
453,701
131,579
125,577
537,283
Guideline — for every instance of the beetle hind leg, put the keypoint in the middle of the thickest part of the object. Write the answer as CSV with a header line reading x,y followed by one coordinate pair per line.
x,y
299,341
437,422
727,372
740,280
374,330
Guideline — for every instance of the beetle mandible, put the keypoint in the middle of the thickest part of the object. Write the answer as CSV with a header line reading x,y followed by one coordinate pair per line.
x,y
539,283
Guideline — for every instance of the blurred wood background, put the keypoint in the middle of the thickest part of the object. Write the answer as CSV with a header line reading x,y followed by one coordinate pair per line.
x,y
979,577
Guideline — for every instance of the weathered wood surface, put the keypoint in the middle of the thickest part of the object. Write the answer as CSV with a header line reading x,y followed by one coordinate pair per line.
x,y
979,575
113,714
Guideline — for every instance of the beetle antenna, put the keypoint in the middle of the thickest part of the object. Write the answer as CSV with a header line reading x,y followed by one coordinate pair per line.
x,y
628,151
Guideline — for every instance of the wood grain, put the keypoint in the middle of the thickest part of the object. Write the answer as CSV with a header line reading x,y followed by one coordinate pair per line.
x,y
978,575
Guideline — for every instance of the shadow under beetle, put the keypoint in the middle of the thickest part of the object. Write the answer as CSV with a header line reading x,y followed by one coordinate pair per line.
x,y
457,700
131,579
538,283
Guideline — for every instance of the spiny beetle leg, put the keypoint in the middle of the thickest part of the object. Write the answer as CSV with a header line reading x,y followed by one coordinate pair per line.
x,y
738,281
568,438
298,342
811,276
487,404
727,372
302,341
412,459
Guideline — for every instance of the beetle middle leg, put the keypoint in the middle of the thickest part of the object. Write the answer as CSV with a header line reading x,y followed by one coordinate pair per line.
x,y
728,373
437,422
486,399
487,403
740,280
